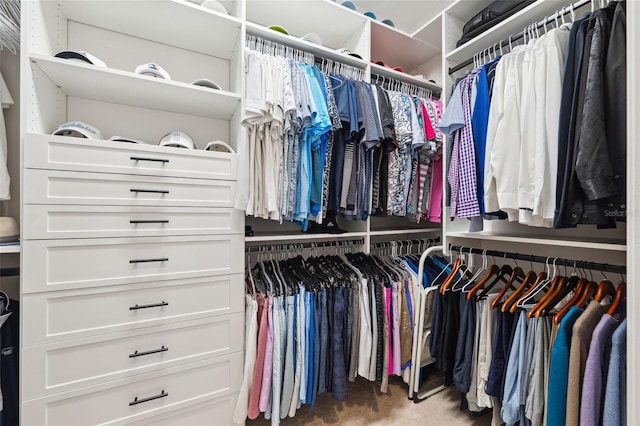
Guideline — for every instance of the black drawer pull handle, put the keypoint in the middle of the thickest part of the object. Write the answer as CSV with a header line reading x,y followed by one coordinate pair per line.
x,y
157,160
137,401
153,305
159,259
155,351
151,191
148,221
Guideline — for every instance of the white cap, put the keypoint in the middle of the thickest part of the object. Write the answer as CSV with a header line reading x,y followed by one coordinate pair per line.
x,y
81,55
125,139
153,70
214,5
78,129
205,82
219,146
178,140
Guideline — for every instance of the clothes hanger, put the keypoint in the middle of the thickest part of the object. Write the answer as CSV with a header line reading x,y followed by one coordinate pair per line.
x,y
452,275
604,288
617,300
516,275
498,274
563,289
465,273
480,271
542,280
504,271
555,287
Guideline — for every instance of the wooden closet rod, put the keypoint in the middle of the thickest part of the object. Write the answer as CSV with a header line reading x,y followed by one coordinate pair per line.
x,y
604,267
505,42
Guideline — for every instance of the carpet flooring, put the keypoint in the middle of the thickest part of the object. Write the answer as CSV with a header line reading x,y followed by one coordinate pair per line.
x,y
366,405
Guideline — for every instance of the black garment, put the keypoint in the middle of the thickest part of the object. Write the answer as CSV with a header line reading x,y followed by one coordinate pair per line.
x,y
340,138
501,345
572,65
464,348
339,382
449,338
615,108
9,335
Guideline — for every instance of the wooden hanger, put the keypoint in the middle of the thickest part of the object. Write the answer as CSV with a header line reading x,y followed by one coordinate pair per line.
x,y
584,291
449,280
516,275
541,281
569,284
605,288
554,289
617,300
526,282
499,274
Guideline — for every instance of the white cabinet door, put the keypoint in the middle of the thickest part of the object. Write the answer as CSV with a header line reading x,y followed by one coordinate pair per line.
x,y
73,221
138,397
62,187
72,264
73,314
84,155
72,364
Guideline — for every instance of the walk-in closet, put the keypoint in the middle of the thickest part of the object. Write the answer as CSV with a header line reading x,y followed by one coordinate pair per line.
x,y
380,212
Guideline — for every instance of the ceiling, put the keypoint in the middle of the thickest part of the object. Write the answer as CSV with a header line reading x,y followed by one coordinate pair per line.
x,y
407,15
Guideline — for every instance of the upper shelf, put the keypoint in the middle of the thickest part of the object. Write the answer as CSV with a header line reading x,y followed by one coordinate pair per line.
x,y
400,76
397,48
512,25
5,249
336,25
173,22
81,80
298,43
609,245
465,9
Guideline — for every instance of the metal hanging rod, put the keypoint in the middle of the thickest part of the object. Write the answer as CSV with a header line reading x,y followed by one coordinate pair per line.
x,y
507,41
604,267
273,48
386,244
403,86
265,248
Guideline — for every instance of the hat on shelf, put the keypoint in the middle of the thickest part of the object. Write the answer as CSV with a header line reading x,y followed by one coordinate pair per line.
x,y
215,5
153,70
278,28
389,22
370,15
78,129
350,53
125,139
312,38
81,55
349,5
9,230
219,146
381,63
205,82
177,140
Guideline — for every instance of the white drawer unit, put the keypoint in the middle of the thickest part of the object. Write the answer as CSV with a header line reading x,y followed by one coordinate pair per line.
x,y
139,397
62,187
85,155
113,356
75,221
201,415
71,264
73,314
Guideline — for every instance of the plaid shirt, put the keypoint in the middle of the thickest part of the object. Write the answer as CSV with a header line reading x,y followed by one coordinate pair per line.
x,y
462,169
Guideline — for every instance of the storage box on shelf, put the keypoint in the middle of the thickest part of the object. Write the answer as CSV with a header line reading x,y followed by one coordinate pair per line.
x,y
146,227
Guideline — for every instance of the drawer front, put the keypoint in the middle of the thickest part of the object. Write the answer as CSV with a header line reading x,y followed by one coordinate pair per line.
x,y
218,411
83,155
62,187
68,264
71,221
138,397
71,364
73,314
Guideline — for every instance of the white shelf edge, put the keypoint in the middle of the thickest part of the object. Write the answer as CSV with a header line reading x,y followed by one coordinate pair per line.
x,y
303,237
166,91
416,34
540,241
405,231
381,71
10,249
297,43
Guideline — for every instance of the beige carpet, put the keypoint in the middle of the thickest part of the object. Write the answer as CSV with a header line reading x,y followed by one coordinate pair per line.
x,y
366,405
